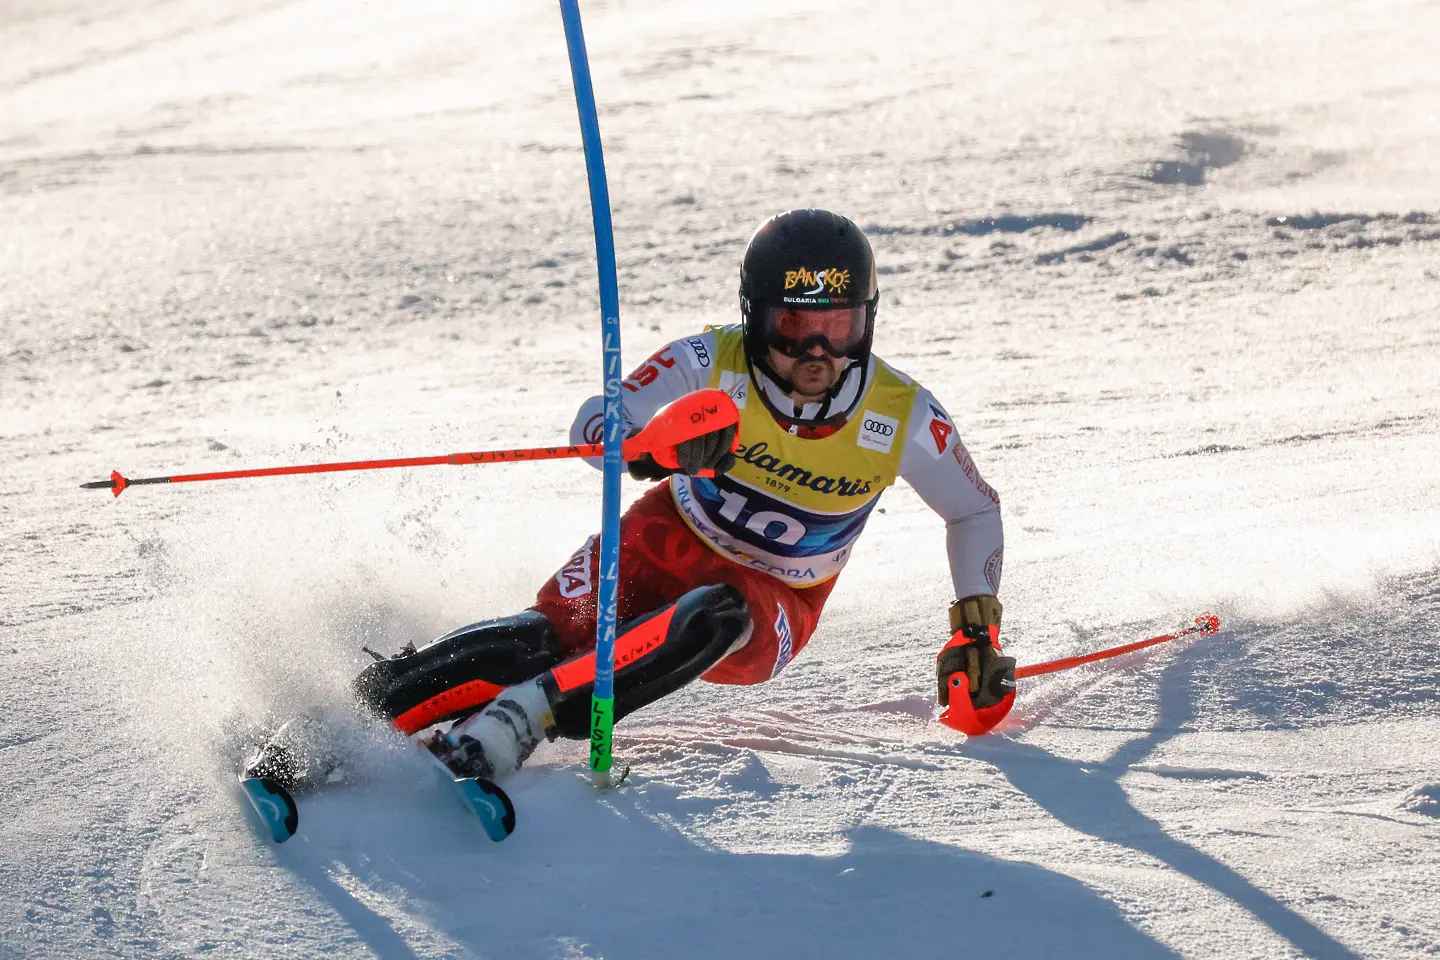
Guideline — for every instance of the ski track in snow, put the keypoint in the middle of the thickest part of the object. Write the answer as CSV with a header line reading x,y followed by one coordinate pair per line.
x,y
1177,283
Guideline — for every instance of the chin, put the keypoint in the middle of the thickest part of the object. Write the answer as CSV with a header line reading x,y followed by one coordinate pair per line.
x,y
816,389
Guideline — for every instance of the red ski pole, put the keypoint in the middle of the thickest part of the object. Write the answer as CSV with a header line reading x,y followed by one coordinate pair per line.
x,y
961,714
686,418
1207,624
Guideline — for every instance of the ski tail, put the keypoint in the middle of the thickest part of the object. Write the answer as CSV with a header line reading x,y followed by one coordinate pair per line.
x,y
489,804
292,763
486,802
274,805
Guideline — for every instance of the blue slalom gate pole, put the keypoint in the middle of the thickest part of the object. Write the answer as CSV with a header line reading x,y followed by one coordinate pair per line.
x,y
602,708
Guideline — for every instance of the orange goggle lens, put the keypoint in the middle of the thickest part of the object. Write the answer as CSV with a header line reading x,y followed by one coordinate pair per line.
x,y
795,333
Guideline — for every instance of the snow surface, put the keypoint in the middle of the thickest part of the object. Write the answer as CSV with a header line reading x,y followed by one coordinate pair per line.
x,y
1175,269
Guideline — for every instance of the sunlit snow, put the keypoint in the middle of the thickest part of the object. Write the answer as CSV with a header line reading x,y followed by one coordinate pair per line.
x,y
1173,268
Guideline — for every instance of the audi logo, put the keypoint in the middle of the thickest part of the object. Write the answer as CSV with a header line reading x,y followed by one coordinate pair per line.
x,y
884,429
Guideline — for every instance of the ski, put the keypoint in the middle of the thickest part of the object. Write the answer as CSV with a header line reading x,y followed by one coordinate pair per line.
x,y
484,799
273,804
261,783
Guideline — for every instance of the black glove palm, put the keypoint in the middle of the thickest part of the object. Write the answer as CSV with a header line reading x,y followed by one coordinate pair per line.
x,y
709,451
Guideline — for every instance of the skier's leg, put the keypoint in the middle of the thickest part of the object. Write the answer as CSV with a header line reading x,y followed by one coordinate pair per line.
x,y
455,675
784,619
460,672
741,629
655,656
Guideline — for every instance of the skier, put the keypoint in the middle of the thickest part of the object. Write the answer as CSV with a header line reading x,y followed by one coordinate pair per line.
x,y
726,565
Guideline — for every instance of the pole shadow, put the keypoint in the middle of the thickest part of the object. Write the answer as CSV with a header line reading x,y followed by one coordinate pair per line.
x,y
614,875
1088,798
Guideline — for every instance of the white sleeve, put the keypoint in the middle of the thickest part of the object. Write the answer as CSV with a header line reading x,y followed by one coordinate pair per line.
x,y
937,465
677,369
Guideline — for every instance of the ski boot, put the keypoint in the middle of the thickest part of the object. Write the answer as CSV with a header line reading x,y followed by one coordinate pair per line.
x,y
298,755
493,744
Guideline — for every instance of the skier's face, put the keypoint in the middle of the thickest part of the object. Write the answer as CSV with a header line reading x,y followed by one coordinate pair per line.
x,y
812,374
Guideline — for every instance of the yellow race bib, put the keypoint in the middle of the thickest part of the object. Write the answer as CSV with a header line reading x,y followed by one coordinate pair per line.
x,y
793,507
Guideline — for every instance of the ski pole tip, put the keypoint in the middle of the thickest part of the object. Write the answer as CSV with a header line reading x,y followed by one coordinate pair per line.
x,y
116,484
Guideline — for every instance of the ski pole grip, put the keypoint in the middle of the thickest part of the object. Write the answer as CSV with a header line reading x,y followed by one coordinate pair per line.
x,y
960,712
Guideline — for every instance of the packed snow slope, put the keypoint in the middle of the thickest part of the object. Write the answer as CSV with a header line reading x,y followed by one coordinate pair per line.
x,y
1175,270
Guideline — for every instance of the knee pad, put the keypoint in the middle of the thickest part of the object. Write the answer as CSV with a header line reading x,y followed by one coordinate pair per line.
x,y
460,672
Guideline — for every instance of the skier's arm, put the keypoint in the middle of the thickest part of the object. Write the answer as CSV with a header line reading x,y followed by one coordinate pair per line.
x,y
677,369
937,465
940,469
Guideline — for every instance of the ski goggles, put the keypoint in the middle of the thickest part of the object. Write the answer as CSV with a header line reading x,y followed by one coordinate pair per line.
x,y
839,331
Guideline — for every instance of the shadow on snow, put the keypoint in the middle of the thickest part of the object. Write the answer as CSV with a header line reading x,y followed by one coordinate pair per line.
x,y
1256,676
614,875
589,876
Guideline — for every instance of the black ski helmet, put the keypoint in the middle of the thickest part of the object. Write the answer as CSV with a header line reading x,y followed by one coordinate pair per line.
x,y
807,260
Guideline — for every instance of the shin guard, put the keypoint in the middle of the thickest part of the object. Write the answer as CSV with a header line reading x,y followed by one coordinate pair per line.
x,y
459,673
654,656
